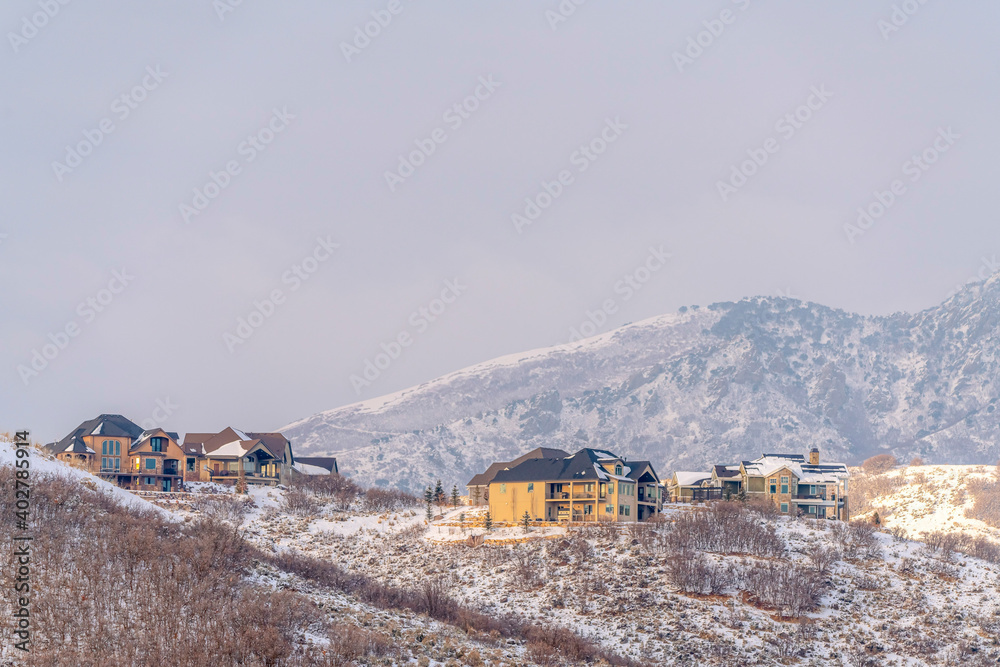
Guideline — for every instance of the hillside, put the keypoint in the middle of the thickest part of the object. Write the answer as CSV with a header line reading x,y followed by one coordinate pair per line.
x,y
922,499
714,384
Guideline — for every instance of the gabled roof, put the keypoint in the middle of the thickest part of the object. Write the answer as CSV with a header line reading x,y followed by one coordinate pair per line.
x,y
639,467
725,472
582,465
484,478
823,473
328,463
233,442
112,426
688,478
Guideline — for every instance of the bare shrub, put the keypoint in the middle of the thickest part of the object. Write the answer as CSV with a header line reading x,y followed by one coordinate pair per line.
x,y
727,528
349,643
230,509
388,500
822,559
985,501
916,461
983,548
526,571
790,589
692,572
942,545
878,464
867,489
857,540
299,503
343,490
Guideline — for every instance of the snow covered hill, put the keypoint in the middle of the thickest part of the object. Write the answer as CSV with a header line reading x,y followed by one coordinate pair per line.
x,y
707,384
925,499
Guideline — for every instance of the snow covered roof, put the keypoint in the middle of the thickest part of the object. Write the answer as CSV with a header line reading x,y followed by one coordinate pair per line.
x,y
112,426
307,469
687,478
807,473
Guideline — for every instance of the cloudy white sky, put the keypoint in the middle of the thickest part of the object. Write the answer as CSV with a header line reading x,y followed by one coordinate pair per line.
x,y
330,121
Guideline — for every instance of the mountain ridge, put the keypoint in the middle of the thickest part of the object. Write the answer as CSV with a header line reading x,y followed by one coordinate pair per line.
x,y
718,383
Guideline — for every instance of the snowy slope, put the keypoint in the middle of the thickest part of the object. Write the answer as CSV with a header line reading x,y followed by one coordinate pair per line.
x,y
715,384
932,498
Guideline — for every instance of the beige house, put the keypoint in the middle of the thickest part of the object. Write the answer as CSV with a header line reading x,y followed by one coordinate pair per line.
x,y
590,485
231,454
479,486
798,487
684,486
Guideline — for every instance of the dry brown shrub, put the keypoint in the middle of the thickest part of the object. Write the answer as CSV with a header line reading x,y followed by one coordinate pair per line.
x,y
878,464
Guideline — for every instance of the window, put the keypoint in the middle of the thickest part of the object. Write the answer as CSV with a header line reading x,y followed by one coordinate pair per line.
x,y
137,463
604,489
104,464
609,509
784,508
618,469
190,465
118,448
248,465
784,485
774,485
531,487
588,509
621,509
503,488
589,487
150,464
157,444
118,464
611,488
812,509
104,448
148,481
627,510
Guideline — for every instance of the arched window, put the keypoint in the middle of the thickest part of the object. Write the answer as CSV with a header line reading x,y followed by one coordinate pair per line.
x,y
618,469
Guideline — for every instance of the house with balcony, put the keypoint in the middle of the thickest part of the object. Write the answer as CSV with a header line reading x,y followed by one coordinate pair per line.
x,y
590,485
232,454
479,485
799,487
689,486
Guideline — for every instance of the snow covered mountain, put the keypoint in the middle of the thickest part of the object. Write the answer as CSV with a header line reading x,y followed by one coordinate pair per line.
x,y
710,384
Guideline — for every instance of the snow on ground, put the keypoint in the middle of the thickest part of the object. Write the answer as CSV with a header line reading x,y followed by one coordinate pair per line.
x,y
43,463
932,498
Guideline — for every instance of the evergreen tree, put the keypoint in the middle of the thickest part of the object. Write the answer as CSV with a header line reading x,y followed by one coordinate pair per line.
x,y
429,498
454,496
461,521
439,493
489,521
526,521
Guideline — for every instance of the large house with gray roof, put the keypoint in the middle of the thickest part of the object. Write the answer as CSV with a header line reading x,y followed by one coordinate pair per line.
x,y
590,485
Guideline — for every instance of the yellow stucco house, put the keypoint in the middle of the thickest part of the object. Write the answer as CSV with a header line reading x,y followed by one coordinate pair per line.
x,y
590,485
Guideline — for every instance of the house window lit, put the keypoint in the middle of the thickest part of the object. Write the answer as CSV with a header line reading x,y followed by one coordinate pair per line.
x,y
531,487
604,489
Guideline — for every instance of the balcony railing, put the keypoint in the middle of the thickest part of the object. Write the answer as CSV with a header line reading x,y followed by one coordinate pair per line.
x,y
808,496
558,495
584,495
235,473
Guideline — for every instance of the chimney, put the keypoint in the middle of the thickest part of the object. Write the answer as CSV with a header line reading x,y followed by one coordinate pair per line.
x,y
814,456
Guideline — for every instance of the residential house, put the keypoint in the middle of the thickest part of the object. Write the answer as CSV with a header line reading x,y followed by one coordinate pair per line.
x,y
590,485
797,487
685,485
119,451
479,486
728,479
231,454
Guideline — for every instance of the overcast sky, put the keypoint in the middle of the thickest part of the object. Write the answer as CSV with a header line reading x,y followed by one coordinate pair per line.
x,y
168,168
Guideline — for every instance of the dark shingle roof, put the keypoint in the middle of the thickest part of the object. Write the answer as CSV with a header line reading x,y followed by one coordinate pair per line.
x,y
569,468
637,468
722,471
328,462
484,478
113,426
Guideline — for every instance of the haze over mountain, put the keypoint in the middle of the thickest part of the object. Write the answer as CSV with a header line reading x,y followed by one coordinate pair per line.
x,y
707,384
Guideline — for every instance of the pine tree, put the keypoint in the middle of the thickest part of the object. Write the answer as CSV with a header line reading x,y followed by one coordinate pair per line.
x,y
461,521
526,521
454,496
430,513
876,519
439,493
488,523
429,498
